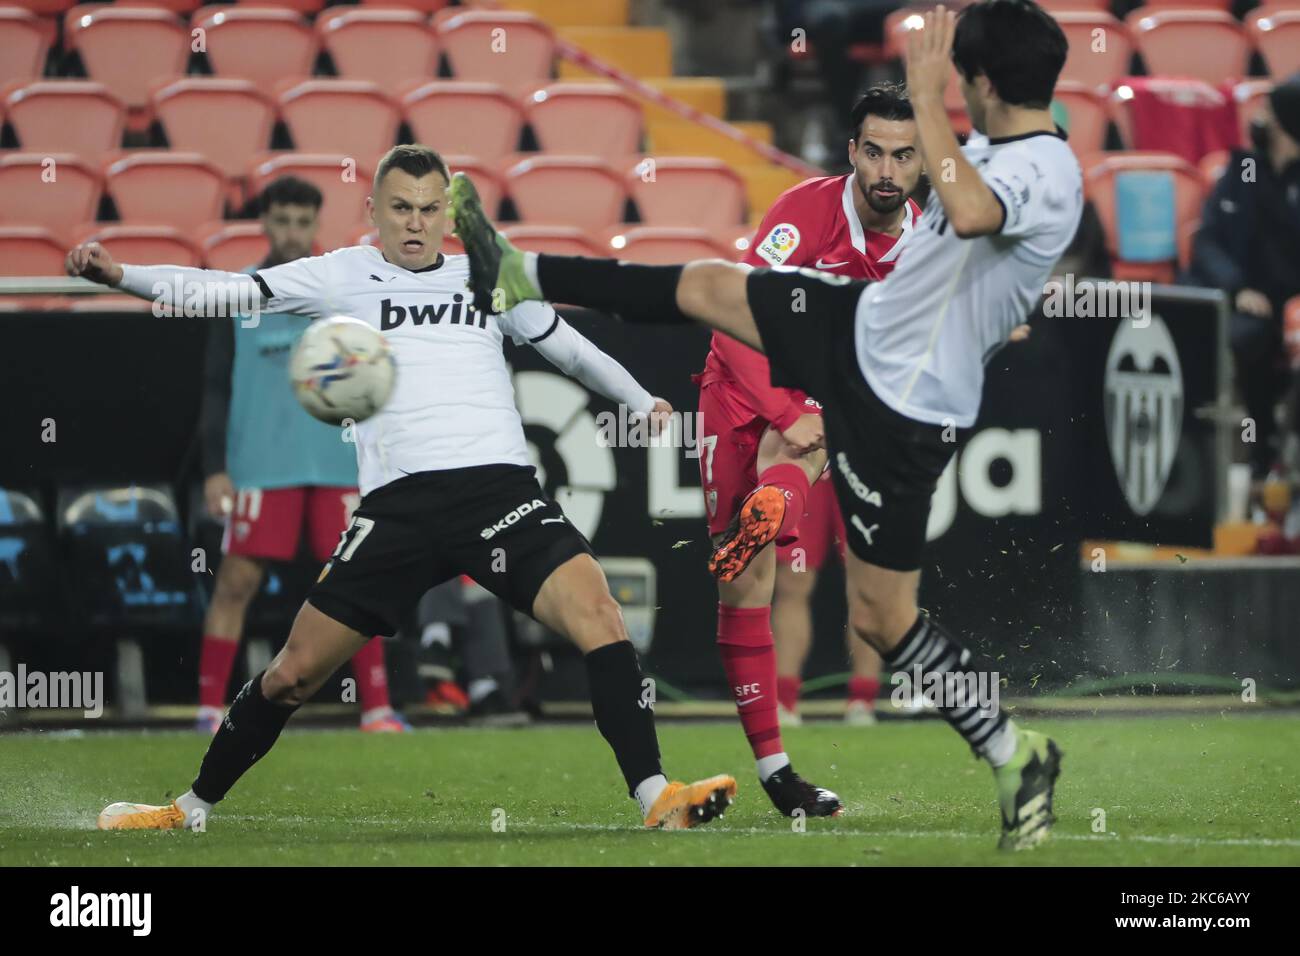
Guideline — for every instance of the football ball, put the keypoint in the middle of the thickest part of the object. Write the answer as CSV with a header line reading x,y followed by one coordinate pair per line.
x,y
341,370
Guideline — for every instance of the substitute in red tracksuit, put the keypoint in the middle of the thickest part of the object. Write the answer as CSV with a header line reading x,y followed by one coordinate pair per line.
x,y
762,446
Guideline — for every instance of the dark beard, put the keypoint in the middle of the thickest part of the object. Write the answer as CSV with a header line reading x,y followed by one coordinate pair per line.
x,y
879,204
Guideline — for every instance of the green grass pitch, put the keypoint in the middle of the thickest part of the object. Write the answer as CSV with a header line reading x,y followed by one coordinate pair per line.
x,y
1185,790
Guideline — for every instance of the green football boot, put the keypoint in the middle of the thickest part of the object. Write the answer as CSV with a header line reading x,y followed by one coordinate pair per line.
x,y
1025,787
496,268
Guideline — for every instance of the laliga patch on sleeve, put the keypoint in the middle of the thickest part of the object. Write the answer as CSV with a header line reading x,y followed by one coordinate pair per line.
x,y
779,243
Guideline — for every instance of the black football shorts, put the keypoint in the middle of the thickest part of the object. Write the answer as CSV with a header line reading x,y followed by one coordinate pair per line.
x,y
493,523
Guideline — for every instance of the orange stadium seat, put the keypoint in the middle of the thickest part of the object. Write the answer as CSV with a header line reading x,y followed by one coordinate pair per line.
x,y
593,118
570,190
128,49
226,120
343,181
299,6
24,45
257,43
1095,58
736,241
340,116
386,46
666,245
59,191
425,6
474,119
1207,45
75,116
486,179
166,188
1276,34
1099,187
1089,115
688,192
145,245
555,240
30,251
1249,95
513,49
234,246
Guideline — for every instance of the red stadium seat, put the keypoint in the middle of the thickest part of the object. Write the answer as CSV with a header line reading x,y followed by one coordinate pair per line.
x,y
555,240
128,49
486,180
74,116
1099,187
1250,96
48,8
736,241
173,6
257,43
1154,5
340,116
1089,116
145,245
1207,45
474,119
513,49
59,191
24,44
388,47
227,120
593,118
1101,47
234,246
166,188
570,190
705,193
424,6
30,251
1186,237
666,245
343,181
1088,6
1276,34
298,6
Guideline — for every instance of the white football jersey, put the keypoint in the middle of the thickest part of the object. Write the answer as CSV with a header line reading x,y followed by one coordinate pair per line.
x,y
453,405
924,333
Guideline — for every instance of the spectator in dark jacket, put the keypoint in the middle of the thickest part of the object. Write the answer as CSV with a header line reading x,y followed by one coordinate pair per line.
x,y
1249,246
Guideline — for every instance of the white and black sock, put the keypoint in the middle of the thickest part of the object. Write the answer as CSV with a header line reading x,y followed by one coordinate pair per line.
x,y
983,726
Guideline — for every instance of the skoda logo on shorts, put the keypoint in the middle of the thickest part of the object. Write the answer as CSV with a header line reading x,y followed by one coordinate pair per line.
x,y
1144,410
563,445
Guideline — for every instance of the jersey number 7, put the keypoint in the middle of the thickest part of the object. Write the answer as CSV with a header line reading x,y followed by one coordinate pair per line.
x,y
352,537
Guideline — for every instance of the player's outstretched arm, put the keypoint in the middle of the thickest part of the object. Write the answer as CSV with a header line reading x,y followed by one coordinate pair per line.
x,y
205,291
969,204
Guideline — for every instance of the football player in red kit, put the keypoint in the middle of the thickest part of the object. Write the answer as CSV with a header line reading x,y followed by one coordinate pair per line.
x,y
763,447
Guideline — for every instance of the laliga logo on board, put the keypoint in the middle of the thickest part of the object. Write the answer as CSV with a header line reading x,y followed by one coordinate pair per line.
x,y
1144,410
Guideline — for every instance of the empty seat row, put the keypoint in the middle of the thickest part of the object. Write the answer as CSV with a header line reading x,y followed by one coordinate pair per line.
x,y
226,120
1199,42
130,48
33,251
184,190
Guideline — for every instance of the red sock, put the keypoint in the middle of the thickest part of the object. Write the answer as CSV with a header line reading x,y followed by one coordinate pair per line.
x,y
749,658
216,661
372,677
790,478
864,688
787,692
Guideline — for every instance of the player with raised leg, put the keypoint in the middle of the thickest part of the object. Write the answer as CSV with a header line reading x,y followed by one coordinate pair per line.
x,y
446,483
761,447
898,364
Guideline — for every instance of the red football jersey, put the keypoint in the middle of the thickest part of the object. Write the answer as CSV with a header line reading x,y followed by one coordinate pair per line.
x,y
813,225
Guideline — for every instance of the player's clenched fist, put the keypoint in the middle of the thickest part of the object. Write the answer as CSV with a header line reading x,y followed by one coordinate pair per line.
x,y
91,261
805,434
